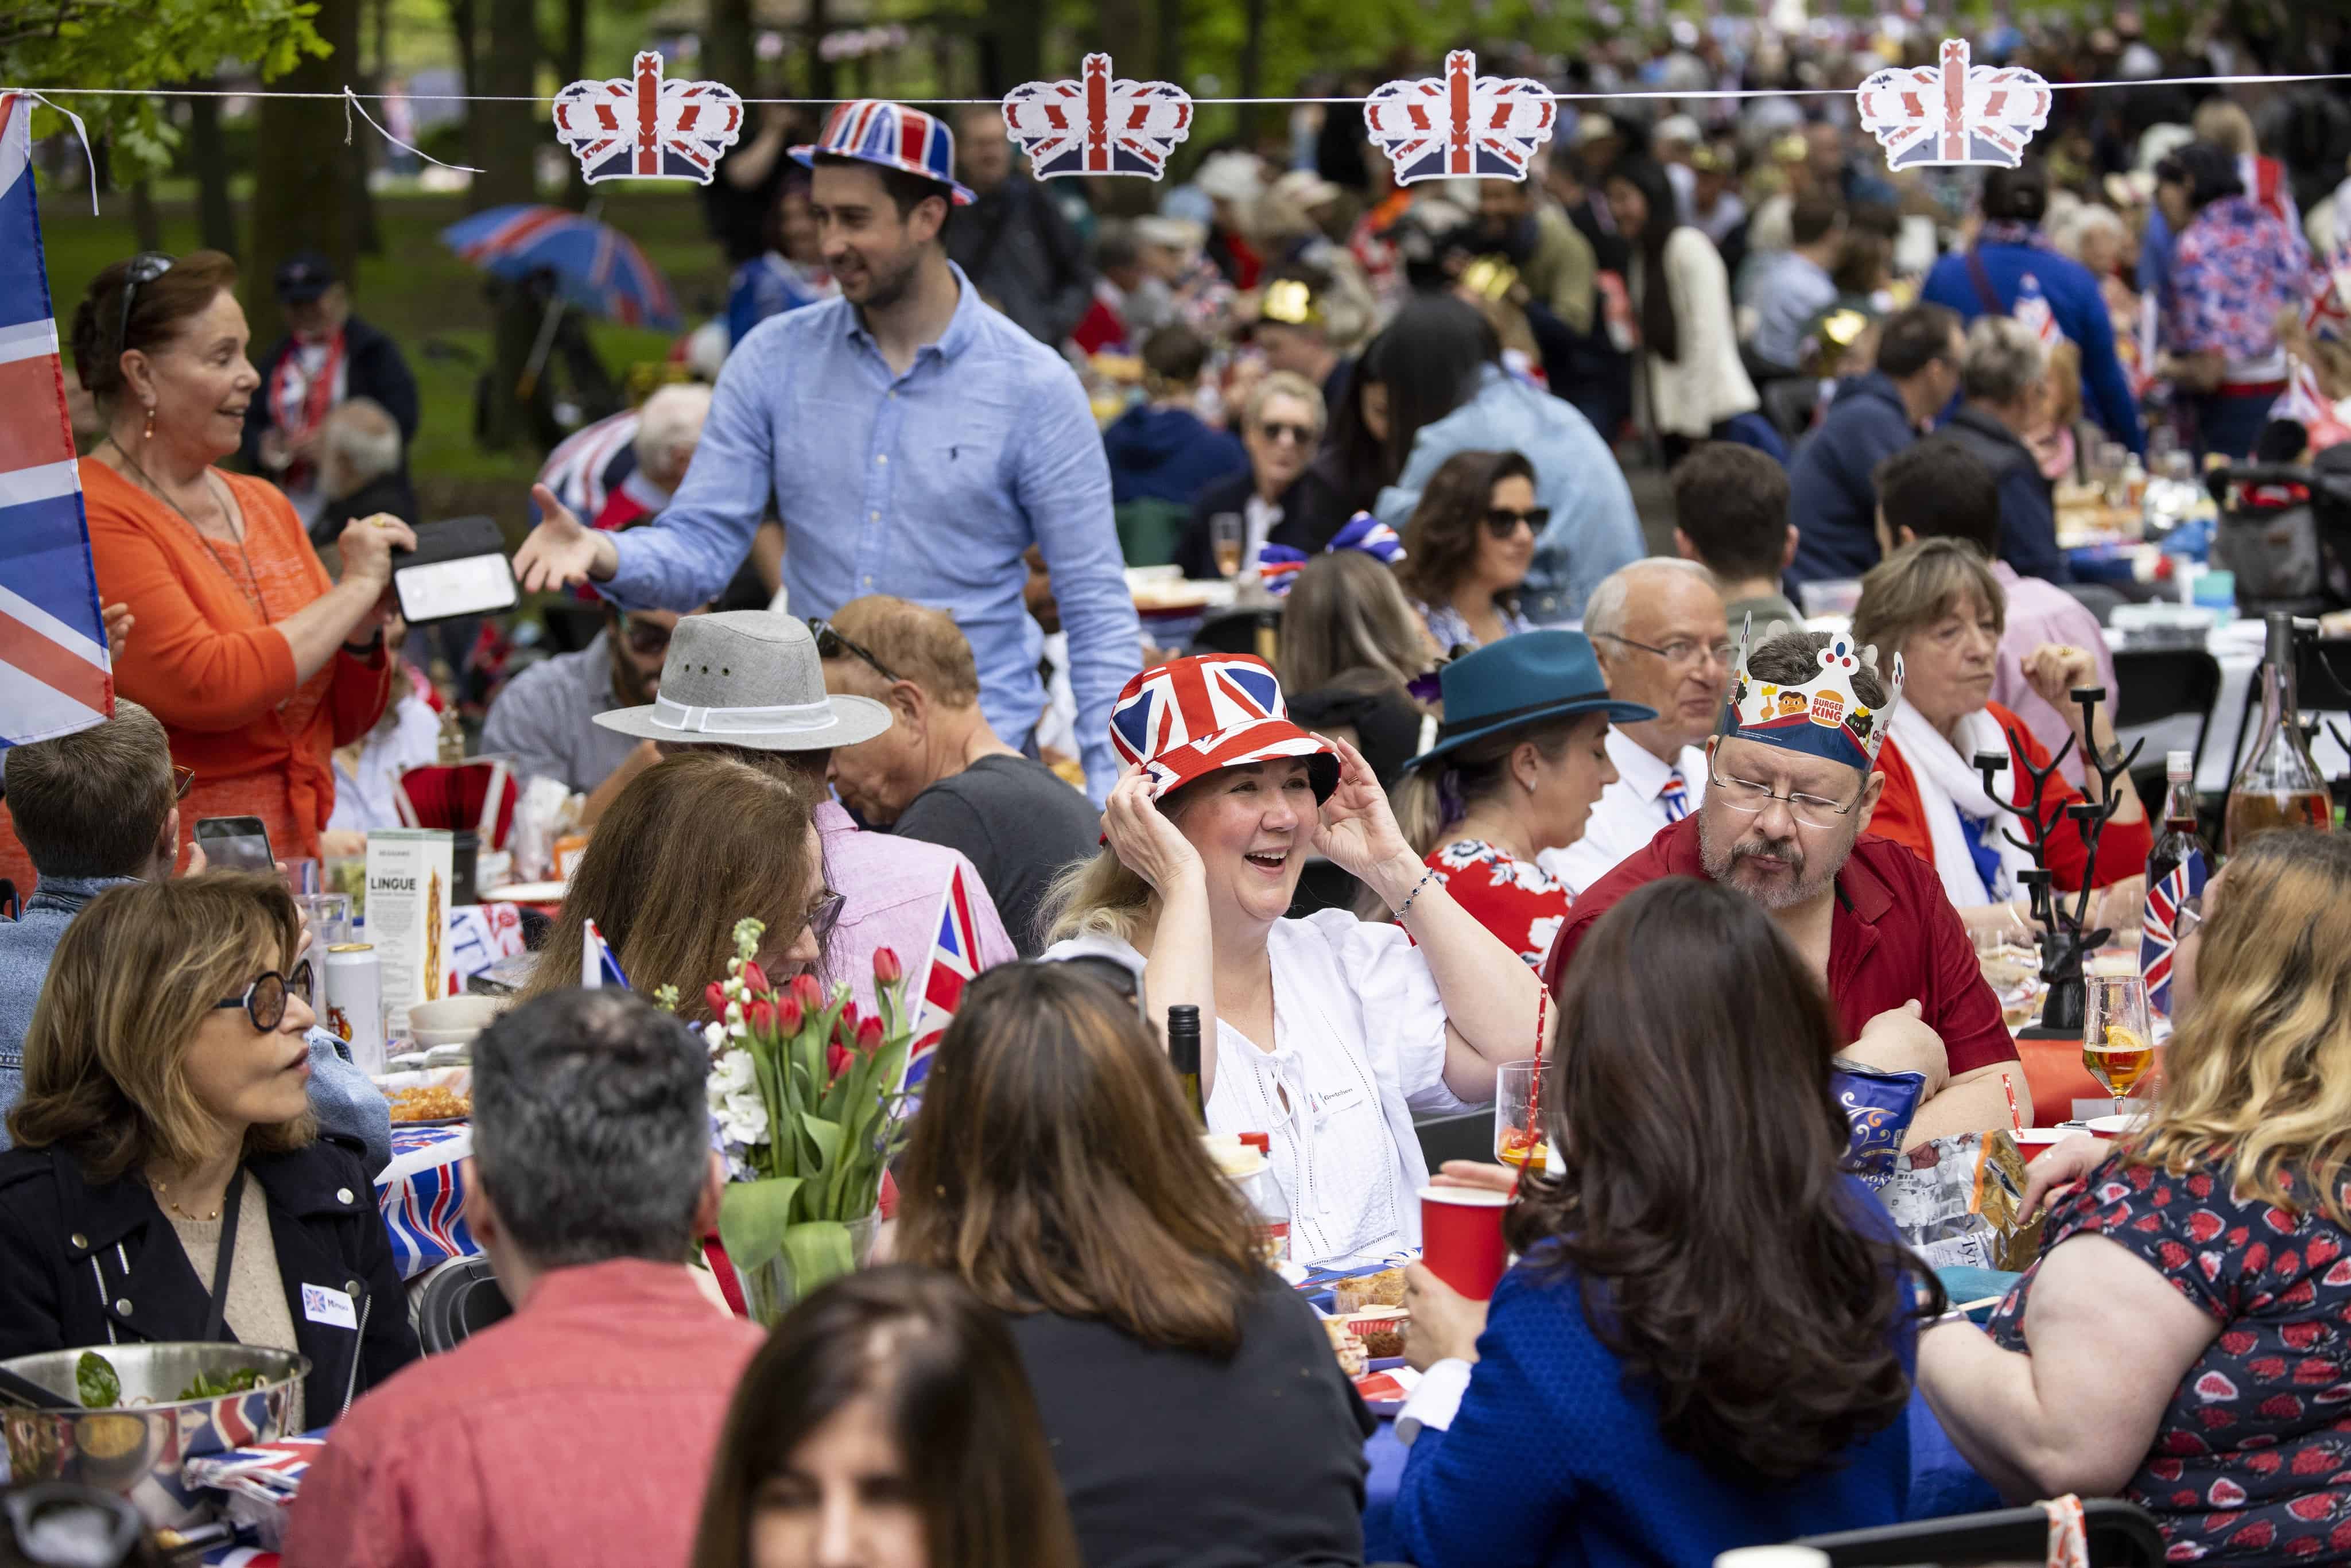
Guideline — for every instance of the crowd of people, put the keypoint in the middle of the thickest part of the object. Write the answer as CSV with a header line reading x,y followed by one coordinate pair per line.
x,y
1481,780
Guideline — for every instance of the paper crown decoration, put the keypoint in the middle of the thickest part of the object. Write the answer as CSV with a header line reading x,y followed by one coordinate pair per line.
x,y
1823,717
1953,112
644,127
1100,124
1460,125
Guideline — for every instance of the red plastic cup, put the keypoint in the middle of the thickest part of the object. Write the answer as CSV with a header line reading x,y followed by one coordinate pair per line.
x,y
1261,1142
2034,1142
1461,1237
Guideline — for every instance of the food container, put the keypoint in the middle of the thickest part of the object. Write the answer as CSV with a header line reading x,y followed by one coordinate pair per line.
x,y
136,1450
1242,1160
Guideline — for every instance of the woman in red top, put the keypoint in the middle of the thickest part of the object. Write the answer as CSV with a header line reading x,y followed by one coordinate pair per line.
x,y
1938,605
1520,760
257,664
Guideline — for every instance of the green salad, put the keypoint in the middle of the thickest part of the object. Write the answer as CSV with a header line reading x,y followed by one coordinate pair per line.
x,y
100,1386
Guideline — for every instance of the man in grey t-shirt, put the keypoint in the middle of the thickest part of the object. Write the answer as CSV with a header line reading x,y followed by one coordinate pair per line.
x,y
939,773
544,719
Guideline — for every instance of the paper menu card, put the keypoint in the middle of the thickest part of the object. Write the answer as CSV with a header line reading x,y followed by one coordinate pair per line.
x,y
409,874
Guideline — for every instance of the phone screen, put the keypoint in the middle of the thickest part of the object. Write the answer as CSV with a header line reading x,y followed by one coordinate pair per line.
x,y
470,585
236,843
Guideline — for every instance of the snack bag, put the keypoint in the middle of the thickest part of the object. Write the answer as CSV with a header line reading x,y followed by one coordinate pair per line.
x,y
1959,1202
1879,1105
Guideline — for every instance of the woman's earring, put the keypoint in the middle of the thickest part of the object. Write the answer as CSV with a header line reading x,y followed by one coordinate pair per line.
x,y
149,434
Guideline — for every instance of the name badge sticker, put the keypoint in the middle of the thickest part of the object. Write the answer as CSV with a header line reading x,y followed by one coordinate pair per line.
x,y
1337,1100
322,1304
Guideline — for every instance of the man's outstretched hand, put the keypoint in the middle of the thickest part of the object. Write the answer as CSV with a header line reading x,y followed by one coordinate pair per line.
x,y
562,551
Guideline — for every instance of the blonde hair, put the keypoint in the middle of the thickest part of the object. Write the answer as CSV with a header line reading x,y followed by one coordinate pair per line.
x,y
131,981
1101,897
919,645
2259,1071
1916,586
1284,383
2224,124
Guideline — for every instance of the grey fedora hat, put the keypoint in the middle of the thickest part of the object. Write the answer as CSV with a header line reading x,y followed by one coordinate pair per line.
x,y
748,678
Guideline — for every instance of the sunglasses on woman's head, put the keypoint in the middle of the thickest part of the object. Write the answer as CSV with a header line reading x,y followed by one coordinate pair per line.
x,y
264,1000
831,644
143,268
1501,522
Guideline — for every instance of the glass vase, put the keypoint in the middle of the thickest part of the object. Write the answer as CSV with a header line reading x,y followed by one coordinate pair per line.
x,y
770,1289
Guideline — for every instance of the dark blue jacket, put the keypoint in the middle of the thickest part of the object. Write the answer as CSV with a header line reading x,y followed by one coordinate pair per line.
x,y
2028,508
1833,496
1167,454
2079,308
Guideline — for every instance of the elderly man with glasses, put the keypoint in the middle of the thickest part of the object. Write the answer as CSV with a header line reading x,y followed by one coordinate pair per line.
x,y
1659,628
1789,796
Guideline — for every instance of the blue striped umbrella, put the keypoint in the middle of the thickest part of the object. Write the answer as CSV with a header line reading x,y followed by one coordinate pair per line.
x,y
597,268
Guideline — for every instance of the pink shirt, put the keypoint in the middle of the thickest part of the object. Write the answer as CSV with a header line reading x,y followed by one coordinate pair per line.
x,y
579,1432
2042,613
894,889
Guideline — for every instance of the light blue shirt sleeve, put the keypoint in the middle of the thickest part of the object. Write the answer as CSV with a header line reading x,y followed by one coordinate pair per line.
x,y
1063,482
683,558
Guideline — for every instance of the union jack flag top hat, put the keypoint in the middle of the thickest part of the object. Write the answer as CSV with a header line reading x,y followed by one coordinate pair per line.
x,y
1187,719
891,136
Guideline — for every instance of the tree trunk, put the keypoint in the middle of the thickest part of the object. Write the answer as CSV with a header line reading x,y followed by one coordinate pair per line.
x,y
820,69
1015,48
215,213
510,138
1168,57
464,28
733,47
1124,28
302,195
1252,66
571,66
146,223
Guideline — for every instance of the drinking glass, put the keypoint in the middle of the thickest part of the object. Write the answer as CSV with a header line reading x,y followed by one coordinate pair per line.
x,y
1225,536
2117,1045
1518,1142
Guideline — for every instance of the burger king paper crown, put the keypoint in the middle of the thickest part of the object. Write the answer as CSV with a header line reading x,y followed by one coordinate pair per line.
x,y
1823,717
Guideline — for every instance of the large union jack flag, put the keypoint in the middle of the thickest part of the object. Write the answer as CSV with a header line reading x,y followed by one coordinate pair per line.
x,y
1098,125
646,127
55,676
1460,125
2159,939
1953,112
954,962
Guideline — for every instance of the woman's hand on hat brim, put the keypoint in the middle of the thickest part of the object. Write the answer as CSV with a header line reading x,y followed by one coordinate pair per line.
x,y
1144,840
1356,828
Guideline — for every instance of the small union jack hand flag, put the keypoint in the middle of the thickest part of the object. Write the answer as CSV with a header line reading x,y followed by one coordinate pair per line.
x,y
1460,125
2328,312
1954,112
1099,124
646,127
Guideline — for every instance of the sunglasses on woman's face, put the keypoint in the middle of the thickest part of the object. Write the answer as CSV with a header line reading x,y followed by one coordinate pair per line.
x,y
1276,430
264,1000
1501,522
645,638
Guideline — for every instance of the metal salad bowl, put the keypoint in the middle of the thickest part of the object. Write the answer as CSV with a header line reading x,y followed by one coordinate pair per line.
x,y
136,1448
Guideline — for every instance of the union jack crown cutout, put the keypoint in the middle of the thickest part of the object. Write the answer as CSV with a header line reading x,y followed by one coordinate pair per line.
x,y
1460,125
1953,112
646,127
1099,124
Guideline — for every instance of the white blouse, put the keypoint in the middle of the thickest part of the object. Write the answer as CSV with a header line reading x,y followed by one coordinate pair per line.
x,y
1359,1047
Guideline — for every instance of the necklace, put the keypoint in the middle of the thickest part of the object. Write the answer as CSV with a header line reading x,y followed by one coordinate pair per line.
x,y
251,587
166,1198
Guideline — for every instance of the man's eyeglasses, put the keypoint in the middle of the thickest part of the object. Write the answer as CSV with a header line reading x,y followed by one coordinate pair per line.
x,y
823,915
1745,796
264,1000
181,779
1681,651
143,268
831,644
1278,430
645,638
1501,522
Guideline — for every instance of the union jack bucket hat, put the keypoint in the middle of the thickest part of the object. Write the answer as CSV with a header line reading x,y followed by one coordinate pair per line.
x,y
1187,719
893,136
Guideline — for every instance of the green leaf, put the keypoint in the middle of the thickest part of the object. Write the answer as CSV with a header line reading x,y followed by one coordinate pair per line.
x,y
820,1251
827,1137
755,1217
100,1386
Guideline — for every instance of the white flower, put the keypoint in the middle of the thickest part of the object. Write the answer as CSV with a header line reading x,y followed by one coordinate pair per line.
x,y
714,1035
733,1073
733,1089
1541,932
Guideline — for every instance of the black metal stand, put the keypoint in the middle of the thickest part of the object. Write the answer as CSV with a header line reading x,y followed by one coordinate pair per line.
x,y
2064,942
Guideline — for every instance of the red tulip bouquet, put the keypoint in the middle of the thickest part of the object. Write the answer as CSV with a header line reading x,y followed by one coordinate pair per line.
x,y
809,1101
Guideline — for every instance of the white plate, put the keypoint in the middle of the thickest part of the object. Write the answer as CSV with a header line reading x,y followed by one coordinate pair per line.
x,y
526,892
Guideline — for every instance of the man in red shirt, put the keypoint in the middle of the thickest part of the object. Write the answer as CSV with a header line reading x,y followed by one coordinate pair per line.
x,y
1789,795
579,1431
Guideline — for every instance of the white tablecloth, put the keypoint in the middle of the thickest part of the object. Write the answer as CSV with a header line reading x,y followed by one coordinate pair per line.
x,y
2237,645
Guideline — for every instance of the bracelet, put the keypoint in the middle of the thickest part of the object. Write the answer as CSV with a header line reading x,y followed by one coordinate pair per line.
x,y
1425,878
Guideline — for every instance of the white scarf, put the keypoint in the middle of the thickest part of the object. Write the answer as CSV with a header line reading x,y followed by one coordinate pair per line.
x,y
1947,776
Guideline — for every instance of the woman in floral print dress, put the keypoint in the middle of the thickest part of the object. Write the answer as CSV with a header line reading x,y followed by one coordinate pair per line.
x,y
2185,1341
1514,771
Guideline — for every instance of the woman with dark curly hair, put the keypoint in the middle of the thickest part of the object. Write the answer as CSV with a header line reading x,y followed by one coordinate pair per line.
x,y
1707,1341
1468,545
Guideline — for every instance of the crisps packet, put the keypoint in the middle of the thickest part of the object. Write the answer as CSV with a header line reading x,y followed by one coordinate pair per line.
x,y
1879,1105
1959,1202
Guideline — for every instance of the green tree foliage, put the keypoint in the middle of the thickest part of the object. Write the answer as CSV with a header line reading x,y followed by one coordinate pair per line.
x,y
144,44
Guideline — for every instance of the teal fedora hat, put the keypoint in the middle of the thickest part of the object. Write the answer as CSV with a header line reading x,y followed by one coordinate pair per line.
x,y
1519,680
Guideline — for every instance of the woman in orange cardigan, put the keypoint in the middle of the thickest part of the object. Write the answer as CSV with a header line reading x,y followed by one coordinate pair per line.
x,y
1938,604
257,665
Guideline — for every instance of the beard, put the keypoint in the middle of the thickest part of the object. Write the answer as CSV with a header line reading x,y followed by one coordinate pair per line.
x,y
885,288
1731,860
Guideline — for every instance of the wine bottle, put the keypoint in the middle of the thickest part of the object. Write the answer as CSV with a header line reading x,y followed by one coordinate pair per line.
x,y
2279,786
1183,1055
2176,872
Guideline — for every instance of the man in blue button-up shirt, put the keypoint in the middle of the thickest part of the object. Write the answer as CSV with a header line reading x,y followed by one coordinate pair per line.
x,y
916,443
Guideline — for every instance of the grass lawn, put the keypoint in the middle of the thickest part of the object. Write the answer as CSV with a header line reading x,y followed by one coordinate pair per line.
x,y
432,304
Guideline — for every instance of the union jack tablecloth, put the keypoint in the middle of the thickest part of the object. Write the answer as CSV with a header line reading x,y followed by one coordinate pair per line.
x,y
423,1198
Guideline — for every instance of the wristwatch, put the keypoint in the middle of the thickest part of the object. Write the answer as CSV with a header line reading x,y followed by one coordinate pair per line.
x,y
367,650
